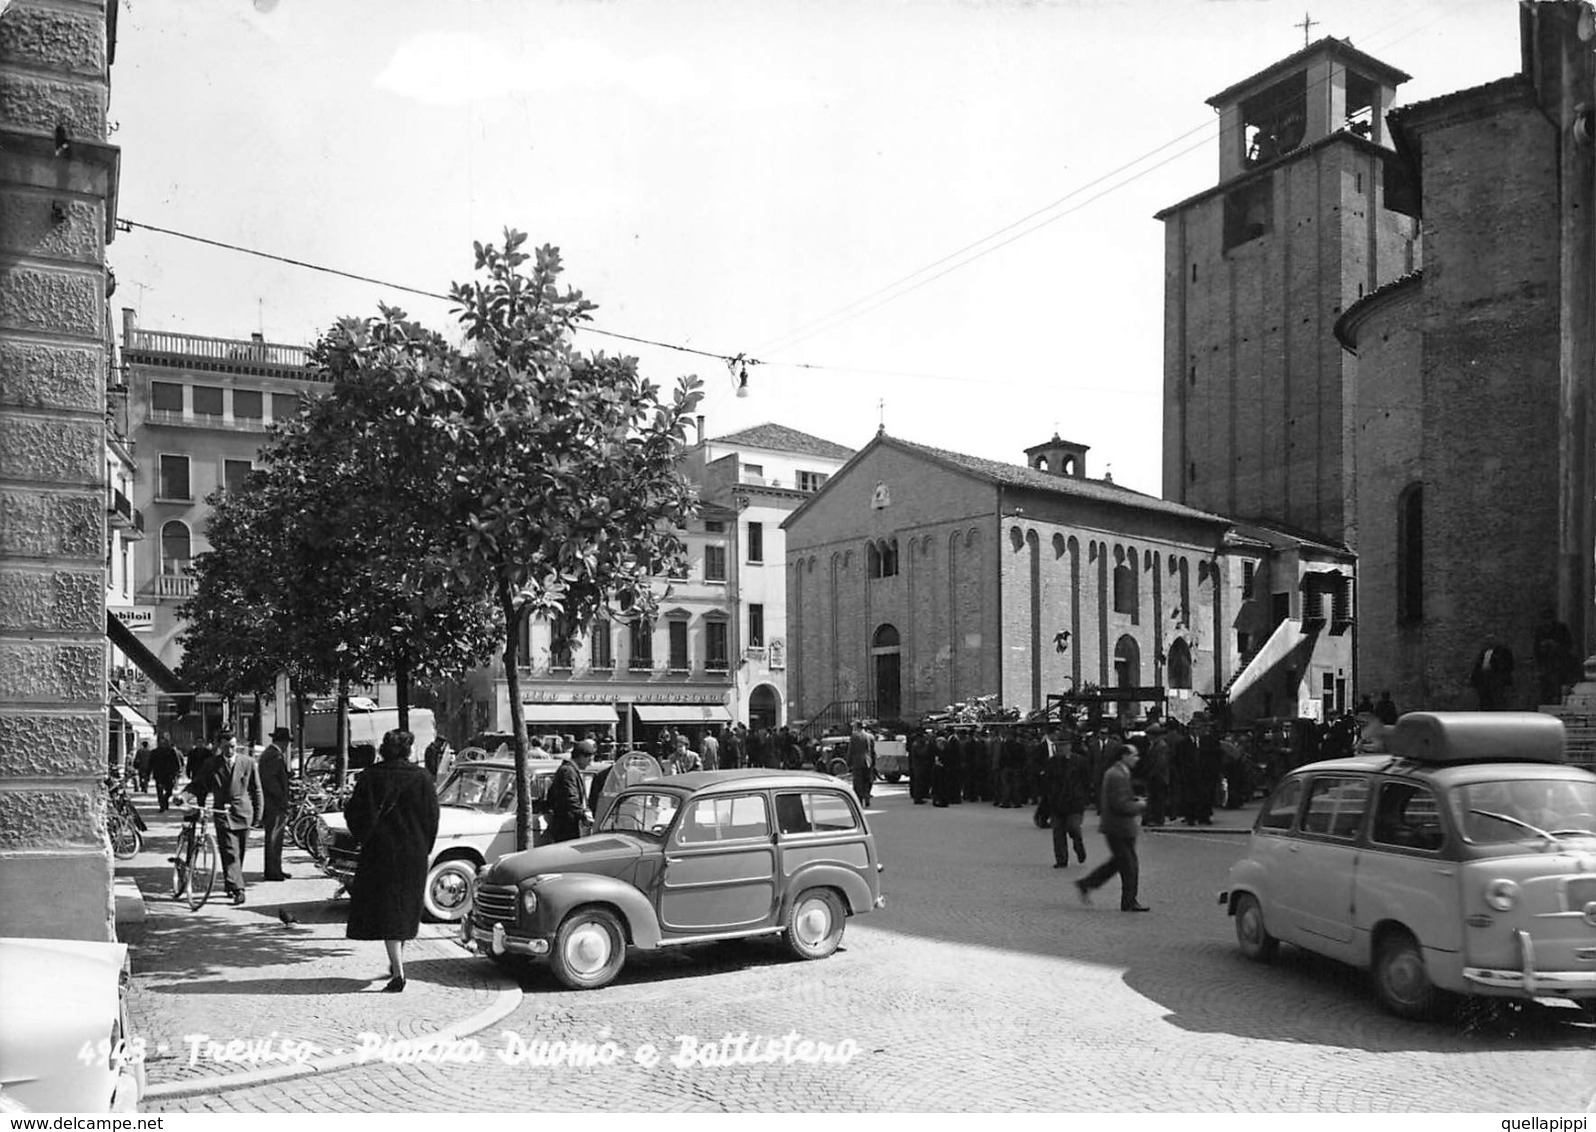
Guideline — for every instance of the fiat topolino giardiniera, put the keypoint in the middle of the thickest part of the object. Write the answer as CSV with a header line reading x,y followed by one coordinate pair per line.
x,y
690,858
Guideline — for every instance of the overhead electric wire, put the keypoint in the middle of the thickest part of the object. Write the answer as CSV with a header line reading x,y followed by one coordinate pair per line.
x,y
847,312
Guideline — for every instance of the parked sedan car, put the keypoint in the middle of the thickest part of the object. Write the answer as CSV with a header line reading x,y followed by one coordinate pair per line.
x,y
1462,861
64,1044
709,855
476,825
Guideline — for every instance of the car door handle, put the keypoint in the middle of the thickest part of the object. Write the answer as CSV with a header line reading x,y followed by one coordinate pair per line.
x,y
1444,872
1292,848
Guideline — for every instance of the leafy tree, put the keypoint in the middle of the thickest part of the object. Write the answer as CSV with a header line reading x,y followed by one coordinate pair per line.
x,y
566,489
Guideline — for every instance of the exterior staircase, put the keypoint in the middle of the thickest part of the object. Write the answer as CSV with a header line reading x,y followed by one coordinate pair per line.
x,y
835,715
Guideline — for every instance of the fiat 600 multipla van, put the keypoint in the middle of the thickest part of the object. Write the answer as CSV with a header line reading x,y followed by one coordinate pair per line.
x,y
1460,860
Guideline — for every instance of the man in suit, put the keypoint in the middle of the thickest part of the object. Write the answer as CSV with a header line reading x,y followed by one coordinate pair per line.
x,y
232,781
861,763
274,817
1119,808
1066,782
165,765
709,751
567,797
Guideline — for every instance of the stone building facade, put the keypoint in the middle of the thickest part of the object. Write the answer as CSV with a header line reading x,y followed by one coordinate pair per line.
x,y
919,577
58,184
1472,381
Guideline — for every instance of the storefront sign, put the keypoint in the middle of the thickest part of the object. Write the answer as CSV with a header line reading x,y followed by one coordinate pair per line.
x,y
139,618
663,695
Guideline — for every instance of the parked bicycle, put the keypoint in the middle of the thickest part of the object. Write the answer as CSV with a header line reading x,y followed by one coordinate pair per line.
x,y
195,860
309,804
123,823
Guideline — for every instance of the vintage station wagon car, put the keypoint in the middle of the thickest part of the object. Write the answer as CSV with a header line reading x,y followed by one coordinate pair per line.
x,y
476,825
709,855
1463,860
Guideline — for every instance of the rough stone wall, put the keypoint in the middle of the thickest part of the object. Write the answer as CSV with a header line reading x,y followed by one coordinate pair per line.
x,y
57,178
1490,379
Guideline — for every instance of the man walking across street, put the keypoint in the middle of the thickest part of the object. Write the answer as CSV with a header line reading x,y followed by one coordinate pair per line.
x,y
709,751
141,765
232,781
165,765
860,763
1119,808
274,789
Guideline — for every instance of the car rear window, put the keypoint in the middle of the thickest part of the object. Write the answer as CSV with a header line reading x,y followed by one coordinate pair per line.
x,y
1336,806
1281,809
817,812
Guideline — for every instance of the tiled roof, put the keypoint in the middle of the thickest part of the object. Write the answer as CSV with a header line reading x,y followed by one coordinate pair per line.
x,y
1495,86
1017,475
780,438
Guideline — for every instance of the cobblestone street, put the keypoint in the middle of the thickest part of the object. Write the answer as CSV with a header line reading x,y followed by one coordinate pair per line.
x,y
986,985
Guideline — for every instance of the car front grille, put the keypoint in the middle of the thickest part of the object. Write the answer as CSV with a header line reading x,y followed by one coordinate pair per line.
x,y
493,903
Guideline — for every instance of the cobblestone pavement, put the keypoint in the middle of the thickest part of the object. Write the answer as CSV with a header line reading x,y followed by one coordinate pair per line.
x,y
240,974
985,985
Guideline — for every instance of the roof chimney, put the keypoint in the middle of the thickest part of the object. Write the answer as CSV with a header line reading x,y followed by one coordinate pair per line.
x,y
130,323
1058,457
699,421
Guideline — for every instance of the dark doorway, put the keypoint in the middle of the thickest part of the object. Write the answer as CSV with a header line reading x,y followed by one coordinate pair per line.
x,y
762,707
885,650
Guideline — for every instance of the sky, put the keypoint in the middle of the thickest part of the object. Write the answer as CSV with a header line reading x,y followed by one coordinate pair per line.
x,y
932,214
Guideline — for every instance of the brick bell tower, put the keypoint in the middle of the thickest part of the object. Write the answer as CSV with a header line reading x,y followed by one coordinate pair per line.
x,y
1311,212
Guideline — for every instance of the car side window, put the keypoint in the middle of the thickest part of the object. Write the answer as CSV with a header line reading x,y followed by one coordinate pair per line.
x,y
737,817
1407,817
813,813
1281,809
1335,806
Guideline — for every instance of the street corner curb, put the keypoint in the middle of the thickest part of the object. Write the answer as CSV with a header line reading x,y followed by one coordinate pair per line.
x,y
504,1003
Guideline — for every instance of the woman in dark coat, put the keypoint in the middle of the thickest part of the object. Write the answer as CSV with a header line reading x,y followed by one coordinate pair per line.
x,y
393,813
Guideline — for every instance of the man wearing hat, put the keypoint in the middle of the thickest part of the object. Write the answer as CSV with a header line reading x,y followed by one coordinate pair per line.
x,y
567,797
274,786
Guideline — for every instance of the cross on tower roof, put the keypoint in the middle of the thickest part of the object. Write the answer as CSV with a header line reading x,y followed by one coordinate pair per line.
x,y
1305,25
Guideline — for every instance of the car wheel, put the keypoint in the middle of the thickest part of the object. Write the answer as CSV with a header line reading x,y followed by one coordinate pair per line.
x,y
893,776
1251,936
1400,980
838,767
448,892
589,949
814,924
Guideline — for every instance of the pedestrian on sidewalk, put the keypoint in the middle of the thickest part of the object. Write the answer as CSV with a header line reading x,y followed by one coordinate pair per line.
x,y
165,765
393,813
141,765
274,789
1119,808
232,782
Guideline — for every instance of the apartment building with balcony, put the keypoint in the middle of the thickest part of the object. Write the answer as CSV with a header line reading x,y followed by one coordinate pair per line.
x,y
198,411
761,475
628,679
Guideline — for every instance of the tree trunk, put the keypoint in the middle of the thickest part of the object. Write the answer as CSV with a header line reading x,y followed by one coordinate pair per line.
x,y
343,730
523,783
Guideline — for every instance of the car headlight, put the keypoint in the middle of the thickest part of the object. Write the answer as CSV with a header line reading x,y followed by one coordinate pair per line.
x,y
1501,894
529,901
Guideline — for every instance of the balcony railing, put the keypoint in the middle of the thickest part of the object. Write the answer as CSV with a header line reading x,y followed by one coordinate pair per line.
x,y
223,352
119,507
174,585
206,420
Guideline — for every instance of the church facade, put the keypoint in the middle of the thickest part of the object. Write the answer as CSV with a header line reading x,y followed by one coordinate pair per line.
x,y
919,577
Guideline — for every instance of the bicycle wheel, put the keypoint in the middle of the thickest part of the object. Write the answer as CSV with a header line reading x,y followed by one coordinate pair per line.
x,y
125,838
202,874
181,856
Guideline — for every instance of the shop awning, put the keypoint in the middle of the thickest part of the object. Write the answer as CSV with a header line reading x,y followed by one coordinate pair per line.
x,y
139,653
569,713
682,713
133,718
